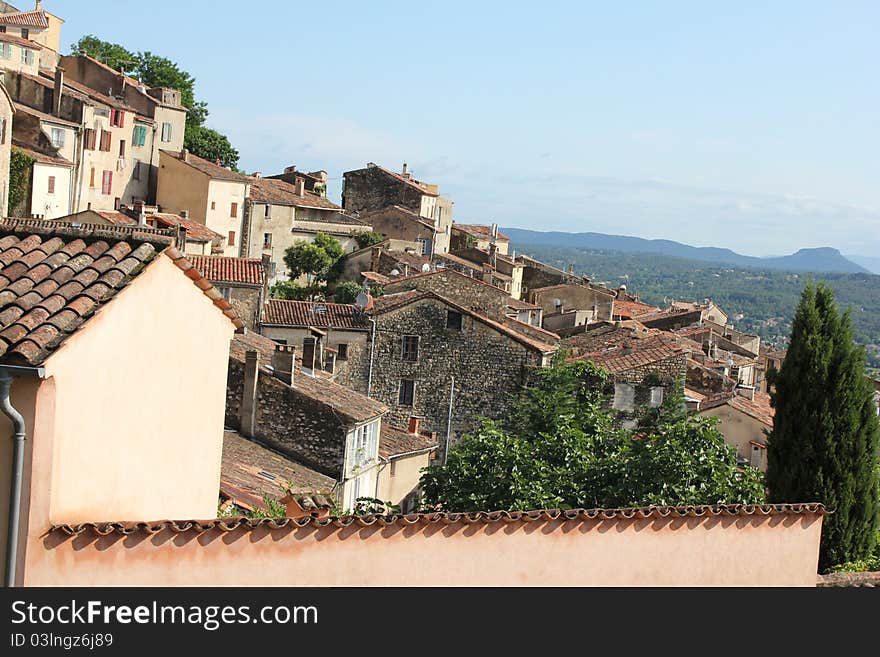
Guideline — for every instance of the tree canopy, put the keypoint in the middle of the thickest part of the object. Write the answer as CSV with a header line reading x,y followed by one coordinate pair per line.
x,y
560,447
825,438
157,71
315,259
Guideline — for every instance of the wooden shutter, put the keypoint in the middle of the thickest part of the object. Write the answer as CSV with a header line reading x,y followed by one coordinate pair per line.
x,y
51,184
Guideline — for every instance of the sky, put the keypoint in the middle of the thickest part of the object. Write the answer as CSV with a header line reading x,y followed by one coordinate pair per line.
x,y
752,125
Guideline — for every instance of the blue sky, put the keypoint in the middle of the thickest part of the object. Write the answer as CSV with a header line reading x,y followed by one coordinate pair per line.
x,y
751,125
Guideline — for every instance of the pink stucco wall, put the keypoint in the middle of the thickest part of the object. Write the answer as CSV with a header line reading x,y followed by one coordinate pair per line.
x,y
780,549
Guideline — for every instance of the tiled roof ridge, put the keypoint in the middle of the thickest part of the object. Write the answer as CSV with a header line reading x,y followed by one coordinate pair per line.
x,y
29,18
421,186
86,232
207,288
444,518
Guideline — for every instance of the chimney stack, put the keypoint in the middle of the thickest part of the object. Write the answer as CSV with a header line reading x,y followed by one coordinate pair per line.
x,y
405,172
310,352
300,187
248,408
413,424
59,91
282,362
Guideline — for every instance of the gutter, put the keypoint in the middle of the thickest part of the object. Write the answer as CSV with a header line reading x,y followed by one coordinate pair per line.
x,y
7,374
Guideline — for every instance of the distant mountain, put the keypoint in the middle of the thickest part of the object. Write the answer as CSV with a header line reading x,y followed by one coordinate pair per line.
x,y
823,259
872,263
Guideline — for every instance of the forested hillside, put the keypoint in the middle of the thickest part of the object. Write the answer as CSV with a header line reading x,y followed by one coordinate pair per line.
x,y
758,301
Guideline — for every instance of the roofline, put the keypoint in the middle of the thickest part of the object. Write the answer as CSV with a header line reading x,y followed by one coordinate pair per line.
x,y
414,452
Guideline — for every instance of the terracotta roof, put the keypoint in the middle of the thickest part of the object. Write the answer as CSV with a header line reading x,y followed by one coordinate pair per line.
x,y
54,278
349,404
693,394
214,171
394,441
33,18
479,231
441,519
619,361
562,286
759,408
518,304
40,156
280,312
630,309
101,98
279,192
117,218
250,471
49,118
17,40
195,231
395,300
470,264
223,269
375,277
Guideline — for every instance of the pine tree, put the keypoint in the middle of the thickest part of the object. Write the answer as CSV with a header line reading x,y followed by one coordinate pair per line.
x,y
825,438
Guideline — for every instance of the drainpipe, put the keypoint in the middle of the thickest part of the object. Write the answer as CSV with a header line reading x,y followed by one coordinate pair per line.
x,y
372,349
449,419
7,373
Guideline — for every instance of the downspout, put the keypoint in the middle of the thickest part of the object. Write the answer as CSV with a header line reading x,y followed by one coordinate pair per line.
x,y
449,420
372,349
18,437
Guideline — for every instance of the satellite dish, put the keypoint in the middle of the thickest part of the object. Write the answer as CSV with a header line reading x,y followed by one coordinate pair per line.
x,y
426,267
362,300
395,272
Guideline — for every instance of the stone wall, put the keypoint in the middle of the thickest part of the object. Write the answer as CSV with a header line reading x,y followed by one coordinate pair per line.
x,y
399,224
246,302
371,189
706,381
289,421
459,288
574,297
488,366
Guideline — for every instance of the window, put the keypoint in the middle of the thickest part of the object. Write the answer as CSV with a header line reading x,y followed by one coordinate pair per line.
x,y
410,351
51,189
117,118
233,210
2,29
656,396
105,140
92,178
213,205
624,397
136,170
27,56
89,139
267,240
107,183
121,148
5,51
453,320
231,239
57,137
2,131
139,136
363,446
166,132
266,211
25,33
342,351
407,392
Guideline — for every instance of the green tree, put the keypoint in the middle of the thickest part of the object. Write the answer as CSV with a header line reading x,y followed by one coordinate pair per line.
x,y
313,260
825,438
368,239
559,448
20,167
347,292
111,54
210,145
293,292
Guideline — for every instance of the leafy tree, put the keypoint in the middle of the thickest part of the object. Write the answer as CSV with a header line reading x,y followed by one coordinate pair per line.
x,y
111,54
347,292
20,167
368,239
293,292
825,438
313,260
210,145
560,448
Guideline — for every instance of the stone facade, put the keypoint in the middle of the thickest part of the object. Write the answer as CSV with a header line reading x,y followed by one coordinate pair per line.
x,y
574,297
488,366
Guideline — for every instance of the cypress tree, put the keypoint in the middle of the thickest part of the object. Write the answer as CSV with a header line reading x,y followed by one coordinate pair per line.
x,y
826,436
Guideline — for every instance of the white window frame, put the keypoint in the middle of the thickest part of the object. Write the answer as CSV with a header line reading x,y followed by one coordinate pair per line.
x,y
657,396
166,132
57,137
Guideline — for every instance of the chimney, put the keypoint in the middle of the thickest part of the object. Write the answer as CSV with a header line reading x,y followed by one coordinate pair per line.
x,y
59,91
184,214
374,259
184,154
248,408
494,232
487,273
309,357
405,172
300,187
39,5
282,363
413,424
329,362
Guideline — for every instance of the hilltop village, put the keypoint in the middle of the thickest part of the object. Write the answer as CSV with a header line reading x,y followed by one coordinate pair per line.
x,y
141,284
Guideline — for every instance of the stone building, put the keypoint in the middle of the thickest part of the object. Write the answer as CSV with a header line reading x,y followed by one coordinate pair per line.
x,y
280,214
241,281
491,266
289,405
477,236
205,192
375,188
574,296
401,224
387,260
434,359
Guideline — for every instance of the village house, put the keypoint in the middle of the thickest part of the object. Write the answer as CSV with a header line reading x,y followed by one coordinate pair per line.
x,y
73,301
204,192
18,54
400,224
243,282
745,416
491,266
340,330
376,188
446,364
314,181
380,263
280,214
562,297
476,236
7,109
38,26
